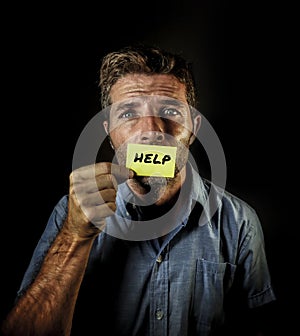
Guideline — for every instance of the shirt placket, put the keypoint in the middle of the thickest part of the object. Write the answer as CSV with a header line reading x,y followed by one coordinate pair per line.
x,y
159,301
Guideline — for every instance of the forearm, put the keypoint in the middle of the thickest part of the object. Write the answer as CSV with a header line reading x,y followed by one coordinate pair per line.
x,y
47,307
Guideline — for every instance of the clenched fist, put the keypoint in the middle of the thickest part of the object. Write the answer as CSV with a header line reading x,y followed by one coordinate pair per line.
x,y
92,197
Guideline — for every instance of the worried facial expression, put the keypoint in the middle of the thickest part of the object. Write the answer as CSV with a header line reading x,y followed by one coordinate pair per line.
x,y
150,110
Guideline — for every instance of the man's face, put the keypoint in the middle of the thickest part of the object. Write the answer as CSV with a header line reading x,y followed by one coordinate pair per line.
x,y
150,110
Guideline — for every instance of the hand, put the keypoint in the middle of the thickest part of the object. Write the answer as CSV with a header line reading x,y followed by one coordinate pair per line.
x,y
92,197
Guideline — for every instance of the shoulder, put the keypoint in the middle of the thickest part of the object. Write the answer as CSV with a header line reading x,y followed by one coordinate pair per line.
x,y
233,212
220,205
239,207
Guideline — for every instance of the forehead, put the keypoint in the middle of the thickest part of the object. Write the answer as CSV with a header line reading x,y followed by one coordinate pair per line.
x,y
134,85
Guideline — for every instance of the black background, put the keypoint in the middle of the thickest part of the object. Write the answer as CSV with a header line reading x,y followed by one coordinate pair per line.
x,y
240,54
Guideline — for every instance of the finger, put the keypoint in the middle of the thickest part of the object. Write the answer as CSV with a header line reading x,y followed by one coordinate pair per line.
x,y
94,185
121,173
99,212
98,198
102,168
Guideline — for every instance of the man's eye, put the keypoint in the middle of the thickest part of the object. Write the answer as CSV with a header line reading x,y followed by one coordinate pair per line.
x,y
169,112
127,115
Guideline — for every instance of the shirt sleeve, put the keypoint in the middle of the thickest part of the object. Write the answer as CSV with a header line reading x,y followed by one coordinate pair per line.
x,y
53,226
252,262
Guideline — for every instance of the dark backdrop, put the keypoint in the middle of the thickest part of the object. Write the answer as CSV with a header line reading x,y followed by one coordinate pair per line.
x,y
51,68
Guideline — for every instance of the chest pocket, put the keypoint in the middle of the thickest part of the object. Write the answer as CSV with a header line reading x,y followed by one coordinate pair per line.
x,y
212,281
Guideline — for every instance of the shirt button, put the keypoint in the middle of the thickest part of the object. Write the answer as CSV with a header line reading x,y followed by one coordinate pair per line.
x,y
159,314
159,258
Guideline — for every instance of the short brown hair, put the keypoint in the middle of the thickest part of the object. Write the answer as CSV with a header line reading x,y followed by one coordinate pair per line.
x,y
144,60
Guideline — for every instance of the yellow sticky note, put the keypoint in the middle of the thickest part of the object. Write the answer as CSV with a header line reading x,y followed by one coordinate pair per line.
x,y
151,160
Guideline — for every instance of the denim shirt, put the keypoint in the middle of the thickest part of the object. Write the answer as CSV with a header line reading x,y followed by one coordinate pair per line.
x,y
175,286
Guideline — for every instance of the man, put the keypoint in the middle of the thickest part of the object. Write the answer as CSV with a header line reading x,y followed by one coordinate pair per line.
x,y
126,253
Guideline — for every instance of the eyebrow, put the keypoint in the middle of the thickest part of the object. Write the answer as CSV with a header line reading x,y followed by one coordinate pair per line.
x,y
132,104
127,105
173,102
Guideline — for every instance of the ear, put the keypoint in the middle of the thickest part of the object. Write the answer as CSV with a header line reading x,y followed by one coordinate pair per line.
x,y
196,127
106,126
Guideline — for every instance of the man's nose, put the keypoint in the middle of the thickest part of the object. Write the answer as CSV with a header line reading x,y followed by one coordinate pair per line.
x,y
151,130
